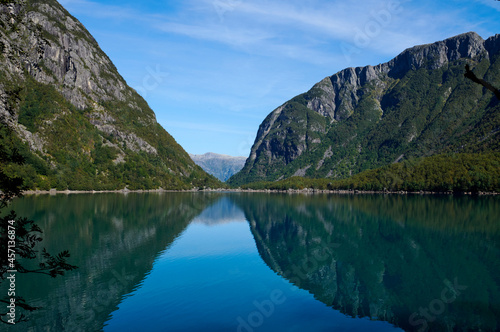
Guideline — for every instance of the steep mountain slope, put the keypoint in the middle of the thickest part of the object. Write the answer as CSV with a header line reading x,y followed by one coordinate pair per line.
x,y
416,105
219,165
74,118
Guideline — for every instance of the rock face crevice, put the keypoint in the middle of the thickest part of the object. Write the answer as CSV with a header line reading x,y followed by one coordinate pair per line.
x,y
63,97
417,104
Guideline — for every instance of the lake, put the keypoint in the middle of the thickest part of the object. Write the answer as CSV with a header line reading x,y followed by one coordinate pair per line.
x,y
266,262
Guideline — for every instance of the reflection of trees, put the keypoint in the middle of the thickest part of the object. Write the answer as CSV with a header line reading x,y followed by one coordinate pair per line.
x,y
114,239
384,257
19,238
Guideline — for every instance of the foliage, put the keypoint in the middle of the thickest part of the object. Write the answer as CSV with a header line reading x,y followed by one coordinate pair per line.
x,y
38,103
463,172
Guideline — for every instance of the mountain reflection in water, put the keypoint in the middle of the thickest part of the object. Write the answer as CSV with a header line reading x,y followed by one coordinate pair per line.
x,y
416,262
413,261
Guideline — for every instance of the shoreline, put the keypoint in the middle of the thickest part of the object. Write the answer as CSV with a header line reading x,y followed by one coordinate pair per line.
x,y
288,191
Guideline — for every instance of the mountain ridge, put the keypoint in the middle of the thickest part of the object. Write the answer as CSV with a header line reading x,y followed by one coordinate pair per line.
x,y
219,165
367,117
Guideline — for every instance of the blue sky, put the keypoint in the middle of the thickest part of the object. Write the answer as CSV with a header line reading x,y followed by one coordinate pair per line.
x,y
212,70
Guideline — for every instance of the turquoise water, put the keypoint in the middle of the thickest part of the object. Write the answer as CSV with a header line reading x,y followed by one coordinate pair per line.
x,y
259,262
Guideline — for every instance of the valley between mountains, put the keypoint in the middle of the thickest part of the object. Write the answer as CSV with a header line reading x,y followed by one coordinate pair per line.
x,y
412,123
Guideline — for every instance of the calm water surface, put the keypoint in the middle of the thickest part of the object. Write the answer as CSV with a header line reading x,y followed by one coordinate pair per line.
x,y
259,262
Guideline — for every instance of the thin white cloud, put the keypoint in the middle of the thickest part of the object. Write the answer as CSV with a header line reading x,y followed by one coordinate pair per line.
x,y
216,33
329,21
287,29
245,35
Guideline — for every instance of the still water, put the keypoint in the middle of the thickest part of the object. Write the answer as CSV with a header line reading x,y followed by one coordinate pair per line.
x,y
266,262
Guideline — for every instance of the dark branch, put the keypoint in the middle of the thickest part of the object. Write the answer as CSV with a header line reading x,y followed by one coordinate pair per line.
x,y
20,302
470,75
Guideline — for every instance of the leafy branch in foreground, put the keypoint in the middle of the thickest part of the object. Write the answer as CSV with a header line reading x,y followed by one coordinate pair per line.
x,y
19,236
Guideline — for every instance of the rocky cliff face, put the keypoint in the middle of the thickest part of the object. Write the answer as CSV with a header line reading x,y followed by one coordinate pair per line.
x,y
42,39
64,102
415,105
220,166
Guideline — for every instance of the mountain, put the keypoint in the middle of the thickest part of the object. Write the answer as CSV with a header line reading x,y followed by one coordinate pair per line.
x,y
416,105
75,120
219,165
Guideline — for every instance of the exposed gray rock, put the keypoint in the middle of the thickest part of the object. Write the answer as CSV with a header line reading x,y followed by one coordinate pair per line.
x,y
302,171
328,154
